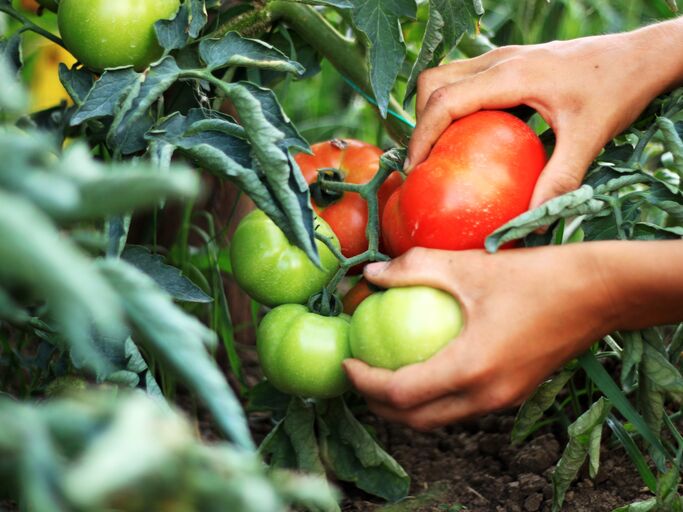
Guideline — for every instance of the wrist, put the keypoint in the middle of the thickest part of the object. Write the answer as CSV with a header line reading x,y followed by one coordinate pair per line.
x,y
640,282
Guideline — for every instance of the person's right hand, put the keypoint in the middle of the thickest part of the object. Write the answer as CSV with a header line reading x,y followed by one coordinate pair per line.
x,y
588,90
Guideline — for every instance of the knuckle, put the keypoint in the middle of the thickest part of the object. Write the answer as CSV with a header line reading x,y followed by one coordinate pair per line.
x,y
565,181
438,98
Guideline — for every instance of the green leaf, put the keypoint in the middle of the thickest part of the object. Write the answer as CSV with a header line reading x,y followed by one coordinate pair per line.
x,y
77,82
584,439
606,384
167,277
448,21
378,21
533,408
299,424
103,98
354,456
13,99
57,271
281,171
235,50
174,34
124,132
278,448
672,142
633,452
179,341
630,359
578,202
265,397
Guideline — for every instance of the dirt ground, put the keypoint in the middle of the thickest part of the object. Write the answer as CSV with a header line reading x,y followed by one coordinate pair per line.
x,y
475,466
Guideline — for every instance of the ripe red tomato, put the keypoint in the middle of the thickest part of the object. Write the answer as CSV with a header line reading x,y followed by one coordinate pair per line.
x,y
480,174
358,163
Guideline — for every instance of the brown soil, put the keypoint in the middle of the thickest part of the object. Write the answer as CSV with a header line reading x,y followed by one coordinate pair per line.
x,y
475,465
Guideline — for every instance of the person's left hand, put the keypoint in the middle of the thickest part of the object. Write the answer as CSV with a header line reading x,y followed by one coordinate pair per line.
x,y
527,311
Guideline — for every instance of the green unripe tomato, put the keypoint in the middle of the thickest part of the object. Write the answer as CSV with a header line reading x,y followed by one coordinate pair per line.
x,y
301,352
273,271
402,326
113,33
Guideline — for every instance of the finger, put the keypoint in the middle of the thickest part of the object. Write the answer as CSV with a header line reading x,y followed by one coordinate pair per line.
x,y
567,166
373,383
496,88
435,78
418,266
441,375
437,413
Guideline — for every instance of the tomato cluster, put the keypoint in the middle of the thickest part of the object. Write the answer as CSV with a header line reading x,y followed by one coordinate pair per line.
x,y
480,174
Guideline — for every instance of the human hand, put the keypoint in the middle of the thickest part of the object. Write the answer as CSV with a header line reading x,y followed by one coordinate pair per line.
x,y
527,311
588,90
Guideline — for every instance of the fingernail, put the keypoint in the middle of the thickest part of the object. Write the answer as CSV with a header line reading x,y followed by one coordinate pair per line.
x,y
406,165
376,268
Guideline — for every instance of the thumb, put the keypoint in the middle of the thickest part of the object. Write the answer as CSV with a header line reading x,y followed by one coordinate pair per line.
x,y
418,266
565,170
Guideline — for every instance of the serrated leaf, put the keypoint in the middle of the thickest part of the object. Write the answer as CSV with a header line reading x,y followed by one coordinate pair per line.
x,y
167,277
533,408
279,168
77,82
448,21
131,115
235,50
173,34
105,95
584,437
578,202
179,342
354,456
378,21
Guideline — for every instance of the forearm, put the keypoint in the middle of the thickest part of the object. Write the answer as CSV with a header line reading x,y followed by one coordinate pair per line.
x,y
658,48
643,281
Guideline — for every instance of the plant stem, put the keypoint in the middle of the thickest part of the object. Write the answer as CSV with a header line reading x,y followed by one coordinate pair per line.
x,y
31,26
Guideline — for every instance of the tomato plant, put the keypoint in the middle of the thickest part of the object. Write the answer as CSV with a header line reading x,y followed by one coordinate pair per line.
x,y
480,174
273,271
301,352
357,162
403,326
108,34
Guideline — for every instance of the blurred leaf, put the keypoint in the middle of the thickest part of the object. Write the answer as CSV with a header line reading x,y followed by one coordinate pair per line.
x,y
13,99
278,448
58,272
179,342
584,440
631,358
448,21
235,50
167,277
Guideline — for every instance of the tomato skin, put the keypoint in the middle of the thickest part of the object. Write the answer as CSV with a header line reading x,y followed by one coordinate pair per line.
x,y
395,235
301,352
358,162
402,326
480,174
270,269
113,33
357,294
